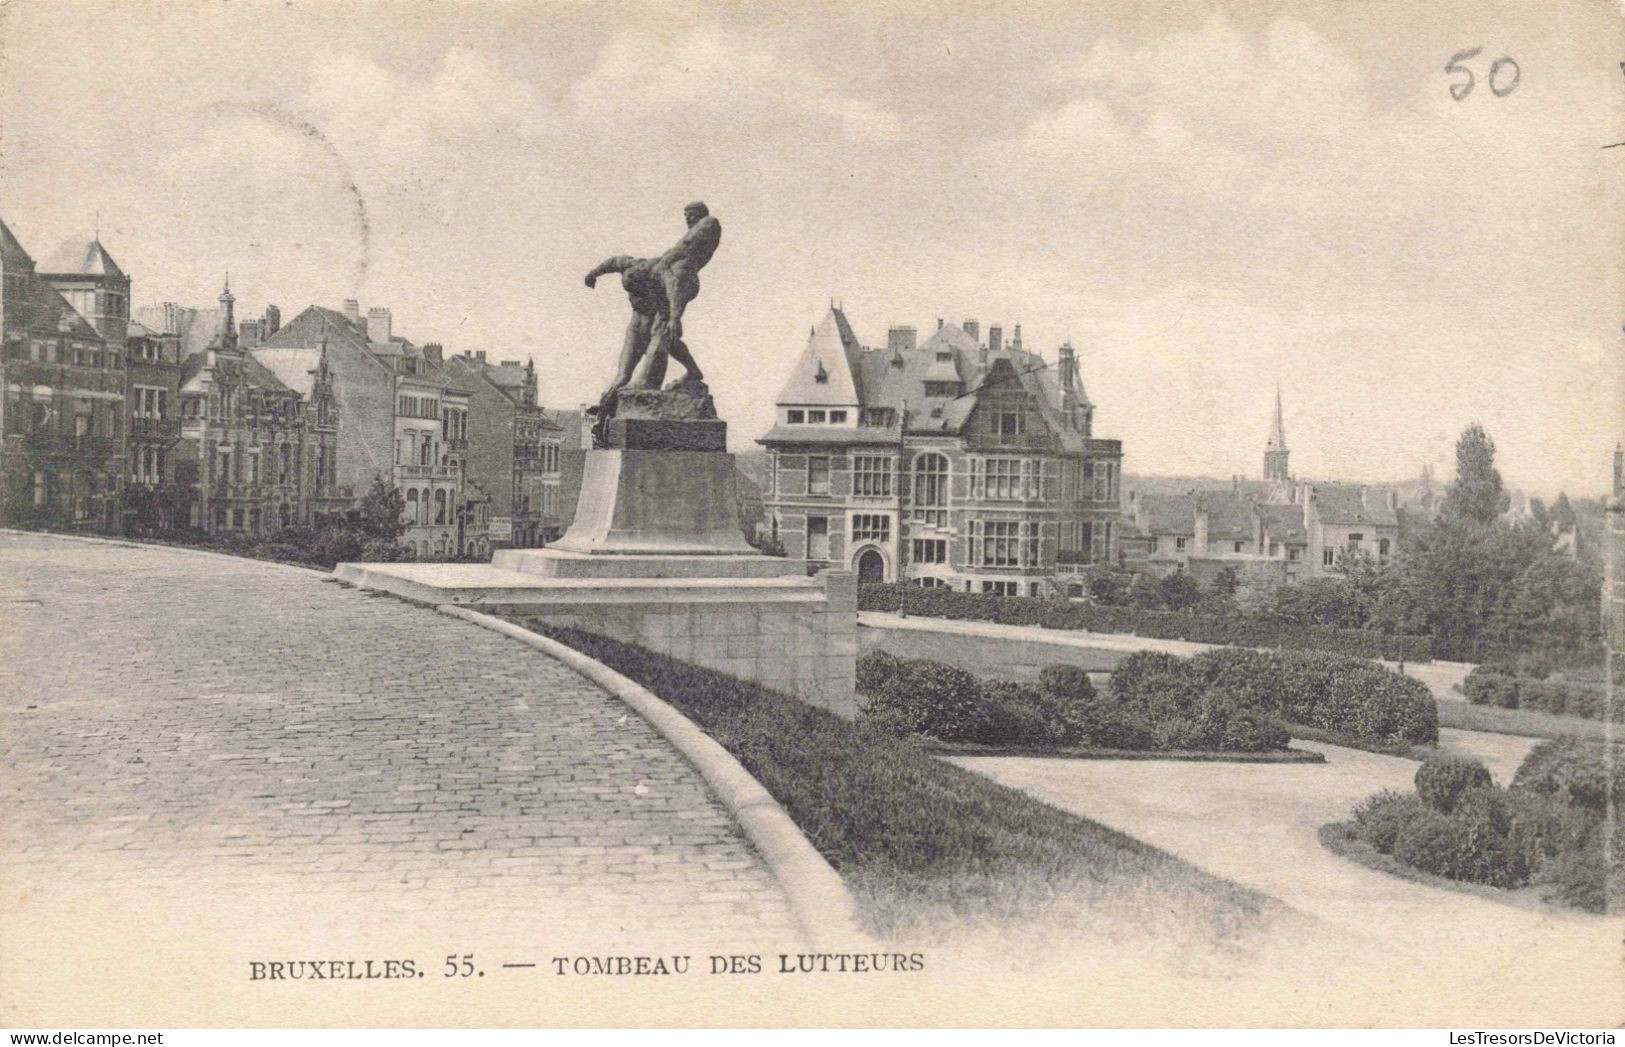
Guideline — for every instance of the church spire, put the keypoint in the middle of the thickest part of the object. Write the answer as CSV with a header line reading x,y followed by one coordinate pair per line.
x,y
1275,451
1277,440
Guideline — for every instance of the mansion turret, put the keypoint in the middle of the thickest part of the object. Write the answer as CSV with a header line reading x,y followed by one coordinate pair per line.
x,y
956,462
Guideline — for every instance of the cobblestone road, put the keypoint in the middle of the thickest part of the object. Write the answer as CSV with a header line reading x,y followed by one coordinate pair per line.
x,y
175,718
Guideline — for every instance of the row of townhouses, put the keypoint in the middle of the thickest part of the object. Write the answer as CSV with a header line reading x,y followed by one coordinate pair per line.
x,y
175,418
971,463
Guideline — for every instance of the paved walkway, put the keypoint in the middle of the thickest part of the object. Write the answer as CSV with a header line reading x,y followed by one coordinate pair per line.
x,y
1440,677
171,721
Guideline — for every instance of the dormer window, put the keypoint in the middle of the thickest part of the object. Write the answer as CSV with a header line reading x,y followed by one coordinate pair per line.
x,y
821,376
943,358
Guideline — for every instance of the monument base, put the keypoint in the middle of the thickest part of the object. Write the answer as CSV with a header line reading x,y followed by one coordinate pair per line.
x,y
658,502
789,632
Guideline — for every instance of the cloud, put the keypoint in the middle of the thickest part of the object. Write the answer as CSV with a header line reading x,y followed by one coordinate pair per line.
x,y
646,74
467,97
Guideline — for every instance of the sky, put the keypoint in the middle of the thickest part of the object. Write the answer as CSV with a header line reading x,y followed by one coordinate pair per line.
x,y
1207,200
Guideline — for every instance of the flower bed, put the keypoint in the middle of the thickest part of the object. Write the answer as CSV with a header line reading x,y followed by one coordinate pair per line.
x,y
1236,628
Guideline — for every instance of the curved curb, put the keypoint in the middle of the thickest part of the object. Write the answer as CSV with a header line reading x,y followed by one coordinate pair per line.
x,y
819,900
137,543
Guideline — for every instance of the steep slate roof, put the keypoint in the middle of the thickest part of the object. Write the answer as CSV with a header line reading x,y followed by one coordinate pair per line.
x,y
291,365
830,354
1284,521
1228,517
254,372
11,249
885,378
82,257
1345,504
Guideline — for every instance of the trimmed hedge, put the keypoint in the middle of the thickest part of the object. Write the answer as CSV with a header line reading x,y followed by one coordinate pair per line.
x,y
1237,628
1345,696
948,704
1487,685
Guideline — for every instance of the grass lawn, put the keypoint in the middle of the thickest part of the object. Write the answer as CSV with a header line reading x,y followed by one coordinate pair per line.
x,y
1018,660
931,851
1527,722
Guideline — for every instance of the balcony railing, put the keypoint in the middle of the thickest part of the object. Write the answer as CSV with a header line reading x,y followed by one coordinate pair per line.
x,y
156,428
456,444
67,443
428,472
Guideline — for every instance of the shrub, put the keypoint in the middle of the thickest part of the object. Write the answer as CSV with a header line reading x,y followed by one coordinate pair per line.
x,y
1379,819
1572,772
1442,780
875,670
1347,696
1022,715
933,698
1432,842
1111,727
1579,877
1066,681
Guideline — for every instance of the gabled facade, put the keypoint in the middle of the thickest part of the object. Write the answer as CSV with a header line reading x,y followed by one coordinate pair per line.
x,y
62,410
406,418
955,462
261,453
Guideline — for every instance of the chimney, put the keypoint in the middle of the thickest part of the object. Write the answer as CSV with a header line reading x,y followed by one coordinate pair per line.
x,y
1200,542
995,338
431,350
900,339
1066,374
1619,469
939,323
378,324
352,311
479,354
273,320
1015,339
1393,500
973,329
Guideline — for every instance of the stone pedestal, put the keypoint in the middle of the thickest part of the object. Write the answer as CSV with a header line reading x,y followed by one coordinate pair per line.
x,y
642,502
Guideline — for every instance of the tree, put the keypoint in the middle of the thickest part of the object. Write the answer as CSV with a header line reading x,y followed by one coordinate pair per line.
x,y
1477,494
382,511
1226,582
1563,514
1178,592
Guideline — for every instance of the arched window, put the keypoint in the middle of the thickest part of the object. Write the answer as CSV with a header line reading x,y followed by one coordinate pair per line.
x,y
931,490
1382,549
412,505
440,507
423,513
